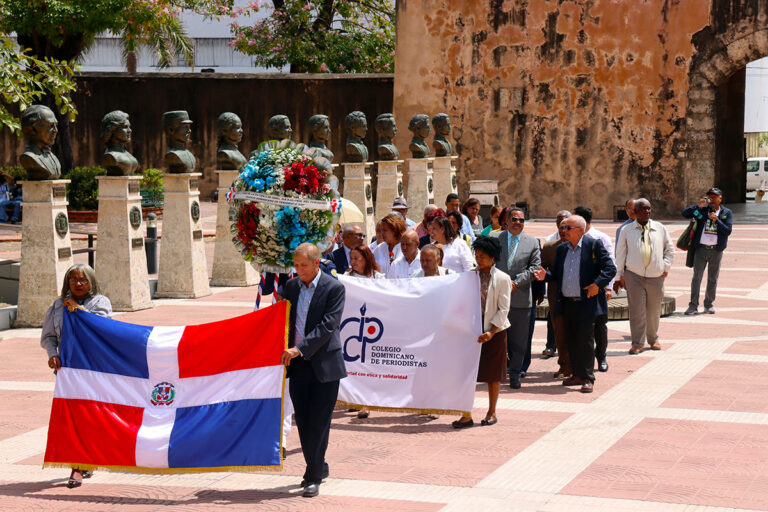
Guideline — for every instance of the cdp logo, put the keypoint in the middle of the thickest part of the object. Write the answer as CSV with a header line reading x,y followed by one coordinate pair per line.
x,y
369,330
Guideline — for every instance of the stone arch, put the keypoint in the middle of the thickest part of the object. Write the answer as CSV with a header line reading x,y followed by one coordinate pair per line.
x,y
729,54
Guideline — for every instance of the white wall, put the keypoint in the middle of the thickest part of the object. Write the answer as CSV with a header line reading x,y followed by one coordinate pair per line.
x,y
756,97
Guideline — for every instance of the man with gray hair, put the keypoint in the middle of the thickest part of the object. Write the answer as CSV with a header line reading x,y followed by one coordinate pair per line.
x,y
421,227
351,236
560,217
644,253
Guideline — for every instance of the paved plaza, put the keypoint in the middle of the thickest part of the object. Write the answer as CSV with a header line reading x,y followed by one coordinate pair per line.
x,y
680,430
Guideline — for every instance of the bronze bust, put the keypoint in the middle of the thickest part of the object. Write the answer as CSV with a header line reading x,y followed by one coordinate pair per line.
x,y
279,127
178,159
357,127
116,136
230,131
386,129
442,124
39,127
319,135
419,126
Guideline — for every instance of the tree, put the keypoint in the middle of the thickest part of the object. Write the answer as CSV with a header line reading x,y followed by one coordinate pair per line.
x,y
316,36
25,80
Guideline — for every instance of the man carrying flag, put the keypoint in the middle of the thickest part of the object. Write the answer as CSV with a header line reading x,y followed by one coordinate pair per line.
x,y
315,358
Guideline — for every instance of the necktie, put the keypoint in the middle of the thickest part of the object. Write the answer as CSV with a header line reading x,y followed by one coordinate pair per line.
x,y
646,245
512,242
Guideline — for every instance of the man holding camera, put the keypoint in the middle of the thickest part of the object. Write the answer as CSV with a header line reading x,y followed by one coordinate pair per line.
x,y
713,227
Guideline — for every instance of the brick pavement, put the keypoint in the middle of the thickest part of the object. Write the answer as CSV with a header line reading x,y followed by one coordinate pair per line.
x,y
683,429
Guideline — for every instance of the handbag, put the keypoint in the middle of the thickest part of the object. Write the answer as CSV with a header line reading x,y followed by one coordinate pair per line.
x,y
686,238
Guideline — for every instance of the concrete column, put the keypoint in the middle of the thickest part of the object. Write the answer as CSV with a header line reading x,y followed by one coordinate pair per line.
x,y
357,188
444,175
121,262
46,249
389,185
420,184
229,267
183,271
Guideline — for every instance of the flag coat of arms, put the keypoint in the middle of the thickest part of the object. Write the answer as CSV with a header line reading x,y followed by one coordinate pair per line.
x,y
169,399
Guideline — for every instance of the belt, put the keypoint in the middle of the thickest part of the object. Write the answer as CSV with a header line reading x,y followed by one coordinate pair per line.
x,y
708,246
571,299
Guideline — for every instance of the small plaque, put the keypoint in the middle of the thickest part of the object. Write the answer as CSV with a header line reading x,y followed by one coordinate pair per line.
x,y
137,243
193,184
65,252
369,210
61,224
430,185
431,200
59,191
399,188
453,182
134,216
368,193
133,187
197,234
194,211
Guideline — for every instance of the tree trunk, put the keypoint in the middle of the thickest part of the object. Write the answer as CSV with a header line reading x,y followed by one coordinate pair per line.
x,y
131,61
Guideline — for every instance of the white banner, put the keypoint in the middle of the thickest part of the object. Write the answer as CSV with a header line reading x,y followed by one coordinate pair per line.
x,y
411,343
333,205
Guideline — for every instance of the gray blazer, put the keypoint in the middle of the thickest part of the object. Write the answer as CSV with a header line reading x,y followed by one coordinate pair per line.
x,y
527,259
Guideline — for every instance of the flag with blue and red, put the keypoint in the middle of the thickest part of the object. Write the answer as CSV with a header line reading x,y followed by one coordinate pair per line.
x,y
169,399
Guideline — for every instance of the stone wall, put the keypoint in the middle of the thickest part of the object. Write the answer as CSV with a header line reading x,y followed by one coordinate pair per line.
x,y
255,98
570,102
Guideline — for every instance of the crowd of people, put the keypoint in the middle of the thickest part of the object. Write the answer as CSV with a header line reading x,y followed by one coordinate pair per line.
x,y
578,268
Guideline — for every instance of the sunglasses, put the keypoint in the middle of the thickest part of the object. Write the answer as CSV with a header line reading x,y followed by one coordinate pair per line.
x,y
568,228
515,219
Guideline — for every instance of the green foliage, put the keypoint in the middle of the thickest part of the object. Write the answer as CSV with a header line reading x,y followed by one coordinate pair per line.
x,y
317,36
153,178
762,140
16,171
25,80
83,192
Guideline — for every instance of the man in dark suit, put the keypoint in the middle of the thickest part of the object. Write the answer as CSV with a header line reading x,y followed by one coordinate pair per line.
x,y
582,270
314,358
351,237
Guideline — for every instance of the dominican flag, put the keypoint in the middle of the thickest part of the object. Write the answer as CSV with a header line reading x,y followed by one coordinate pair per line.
x,y
169,399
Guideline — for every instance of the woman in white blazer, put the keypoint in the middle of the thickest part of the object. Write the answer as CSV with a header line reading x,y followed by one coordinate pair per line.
x,y
495,289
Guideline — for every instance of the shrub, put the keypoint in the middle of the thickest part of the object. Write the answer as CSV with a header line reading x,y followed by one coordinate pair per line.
x,y
16,171
83,192
153,178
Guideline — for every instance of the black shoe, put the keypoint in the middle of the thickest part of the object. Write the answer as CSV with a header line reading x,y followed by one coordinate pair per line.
x,y
325,474
709,310
462,424
514,380
283,452
523,375
311,490
602,365
362,415
548,352
692,310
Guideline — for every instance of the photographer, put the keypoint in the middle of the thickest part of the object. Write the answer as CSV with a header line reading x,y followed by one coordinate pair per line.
x,y
713,227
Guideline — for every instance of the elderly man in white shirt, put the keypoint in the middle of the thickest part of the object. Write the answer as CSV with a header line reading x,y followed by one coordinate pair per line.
x,y
644,253
559,218
409,261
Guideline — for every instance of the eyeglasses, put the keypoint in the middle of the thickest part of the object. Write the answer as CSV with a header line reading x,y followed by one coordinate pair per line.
x,y
515,219
568,228
359,235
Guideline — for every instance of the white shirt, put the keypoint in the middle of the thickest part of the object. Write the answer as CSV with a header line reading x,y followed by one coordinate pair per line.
x,y
551,238
401,269
607,243
629,253
457,256
441,271
381,255
709,235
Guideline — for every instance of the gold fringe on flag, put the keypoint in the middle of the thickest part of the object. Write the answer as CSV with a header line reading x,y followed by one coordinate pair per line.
x,y
442,412
160,471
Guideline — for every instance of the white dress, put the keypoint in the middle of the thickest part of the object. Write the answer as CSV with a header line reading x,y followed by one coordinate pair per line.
x,y
381,255
457,256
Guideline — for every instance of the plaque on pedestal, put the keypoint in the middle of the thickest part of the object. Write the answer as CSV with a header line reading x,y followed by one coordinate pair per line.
x,y
229,267
357,188
444,176
121,262
389,185
46,249
183,271
421,188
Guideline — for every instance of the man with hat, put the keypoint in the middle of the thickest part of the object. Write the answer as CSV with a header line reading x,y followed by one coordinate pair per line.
x,y
178,130
401,206
713,227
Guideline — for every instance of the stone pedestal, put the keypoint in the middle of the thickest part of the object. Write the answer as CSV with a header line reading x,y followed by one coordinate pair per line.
x,y
229,268
183,271
121,262
46,249
444,175
389,185
421,189
357,188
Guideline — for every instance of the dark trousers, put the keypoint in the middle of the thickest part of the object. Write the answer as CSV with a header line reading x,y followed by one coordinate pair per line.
x,y
708,258
601,336
551,343
531,327
579,338
517,338
313,403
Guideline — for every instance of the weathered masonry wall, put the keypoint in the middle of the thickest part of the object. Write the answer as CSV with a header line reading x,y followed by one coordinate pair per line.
x,y
571,102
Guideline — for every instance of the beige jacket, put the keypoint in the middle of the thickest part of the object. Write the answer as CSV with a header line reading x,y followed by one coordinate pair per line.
x,y
497,300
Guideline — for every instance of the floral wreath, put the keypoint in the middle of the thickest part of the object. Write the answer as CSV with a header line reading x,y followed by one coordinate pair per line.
x,y
284,196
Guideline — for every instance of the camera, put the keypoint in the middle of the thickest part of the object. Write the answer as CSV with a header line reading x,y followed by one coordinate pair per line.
x,y
708,202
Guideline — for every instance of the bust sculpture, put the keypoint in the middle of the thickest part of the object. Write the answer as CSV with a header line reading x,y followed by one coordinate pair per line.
x,y
442,124
319,135
229,128
178,159
357,127
116,136
279,127
39,127
386,129
419,126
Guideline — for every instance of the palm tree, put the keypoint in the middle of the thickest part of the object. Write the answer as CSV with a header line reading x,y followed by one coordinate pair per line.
x,y
167,40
